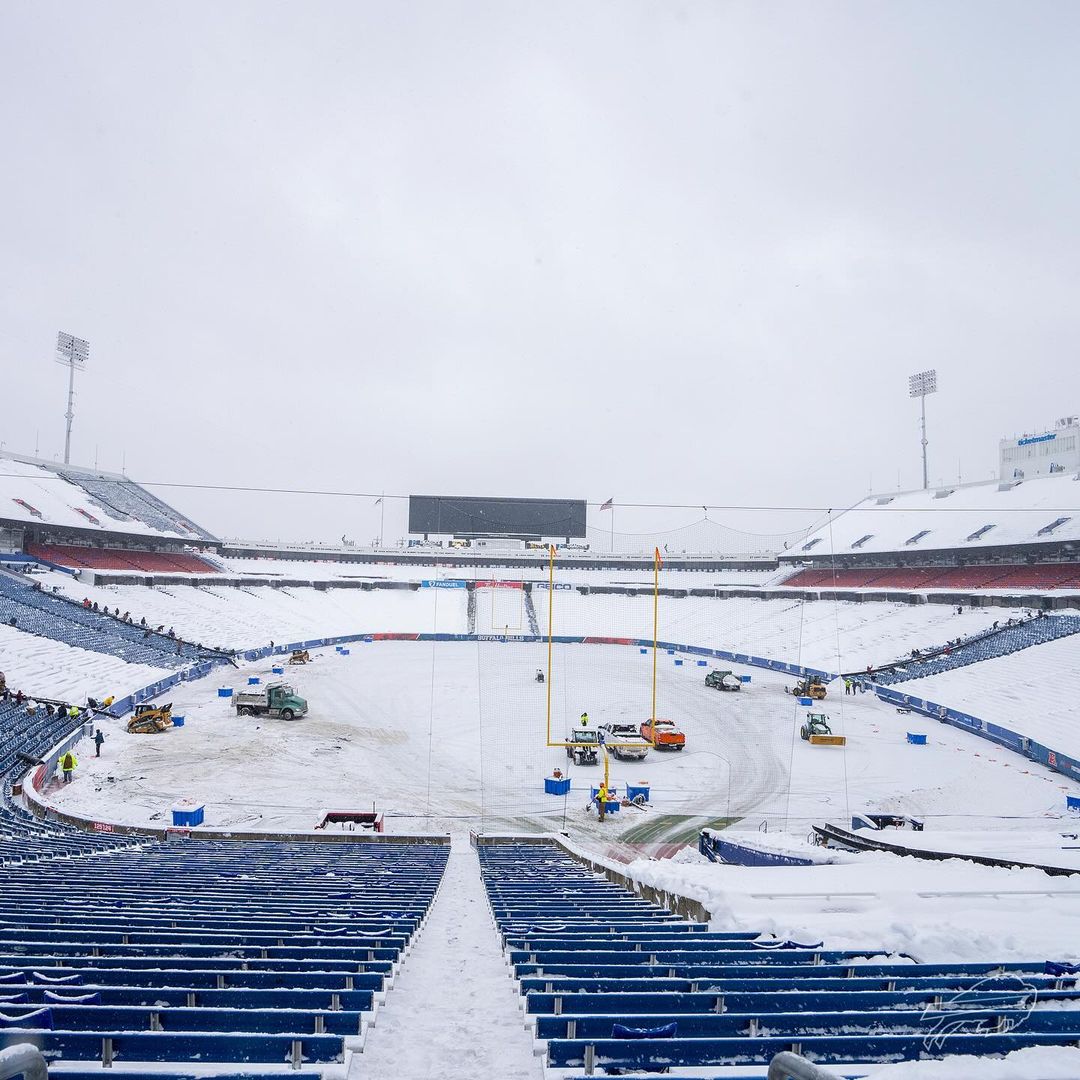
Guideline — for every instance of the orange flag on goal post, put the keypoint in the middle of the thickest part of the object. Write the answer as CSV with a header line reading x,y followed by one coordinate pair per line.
x,y
659,561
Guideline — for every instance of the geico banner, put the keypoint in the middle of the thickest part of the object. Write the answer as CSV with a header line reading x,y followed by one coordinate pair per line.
x,y
548,585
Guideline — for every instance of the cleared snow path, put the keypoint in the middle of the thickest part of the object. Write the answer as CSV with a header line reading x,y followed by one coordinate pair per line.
x,y
454,1009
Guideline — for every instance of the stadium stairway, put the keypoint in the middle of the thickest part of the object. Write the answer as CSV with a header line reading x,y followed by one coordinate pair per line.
x,y
454,1008
1002,642
471,610
530,609
612,982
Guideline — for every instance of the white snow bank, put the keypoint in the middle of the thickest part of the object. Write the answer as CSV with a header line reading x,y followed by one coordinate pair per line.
x,y
1032,1063
936,912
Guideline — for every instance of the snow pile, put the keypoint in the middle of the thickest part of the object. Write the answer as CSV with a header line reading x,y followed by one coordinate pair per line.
x,y
1031,1063
936,912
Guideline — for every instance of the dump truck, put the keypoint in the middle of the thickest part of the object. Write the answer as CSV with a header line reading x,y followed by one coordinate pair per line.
x,y
663,734
811,687
583,747
277,699
723,680
150,719
624,742
300,656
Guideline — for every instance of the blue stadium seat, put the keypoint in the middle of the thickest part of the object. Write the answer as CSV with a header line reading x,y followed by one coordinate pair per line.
x,y
986,646
600,967
244,957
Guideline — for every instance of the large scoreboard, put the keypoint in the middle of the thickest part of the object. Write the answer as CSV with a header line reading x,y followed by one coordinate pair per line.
x,y
468,516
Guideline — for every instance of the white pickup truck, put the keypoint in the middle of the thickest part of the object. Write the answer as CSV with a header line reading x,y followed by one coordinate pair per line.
x,y
624,742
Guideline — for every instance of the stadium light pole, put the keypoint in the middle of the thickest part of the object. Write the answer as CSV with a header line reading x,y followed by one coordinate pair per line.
x,y
920,385
73,352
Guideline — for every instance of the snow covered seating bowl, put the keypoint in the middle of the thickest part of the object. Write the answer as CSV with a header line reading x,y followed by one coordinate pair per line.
x,y
614,981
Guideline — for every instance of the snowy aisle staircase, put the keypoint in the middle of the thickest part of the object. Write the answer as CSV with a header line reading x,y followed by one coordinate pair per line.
x,y
1008,639
530,610
611,981
472,608
454,1011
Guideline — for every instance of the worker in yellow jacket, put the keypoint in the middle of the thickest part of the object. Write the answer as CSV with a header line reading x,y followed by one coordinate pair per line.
x,y
68,764
602,801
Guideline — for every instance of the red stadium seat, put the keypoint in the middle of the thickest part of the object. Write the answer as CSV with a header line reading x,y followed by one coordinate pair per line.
x,y
146,562
1000,576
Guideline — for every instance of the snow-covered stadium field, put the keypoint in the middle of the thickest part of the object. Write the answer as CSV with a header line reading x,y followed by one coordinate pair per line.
x,y
453,736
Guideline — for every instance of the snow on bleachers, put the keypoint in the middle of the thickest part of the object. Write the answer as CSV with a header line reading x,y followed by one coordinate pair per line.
x,y
952,518
614,982
55,669
226,953
987,646
36,611
1036,685
125,500
47,494
782,629
222,615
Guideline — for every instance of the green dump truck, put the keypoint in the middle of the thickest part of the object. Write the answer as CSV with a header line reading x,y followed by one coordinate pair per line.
x,y
277,699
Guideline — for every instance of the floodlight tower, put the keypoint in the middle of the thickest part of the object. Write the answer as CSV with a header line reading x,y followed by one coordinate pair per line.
x,y
919,385
73,352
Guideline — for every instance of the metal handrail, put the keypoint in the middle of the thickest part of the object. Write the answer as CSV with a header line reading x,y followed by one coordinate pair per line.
x,y
789,1066
23,1059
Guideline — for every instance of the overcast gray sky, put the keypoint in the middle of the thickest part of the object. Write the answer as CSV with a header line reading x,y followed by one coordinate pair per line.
x,y
672,252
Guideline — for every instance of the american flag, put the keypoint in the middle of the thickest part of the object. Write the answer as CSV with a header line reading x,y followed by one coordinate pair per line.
x,y
609,505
